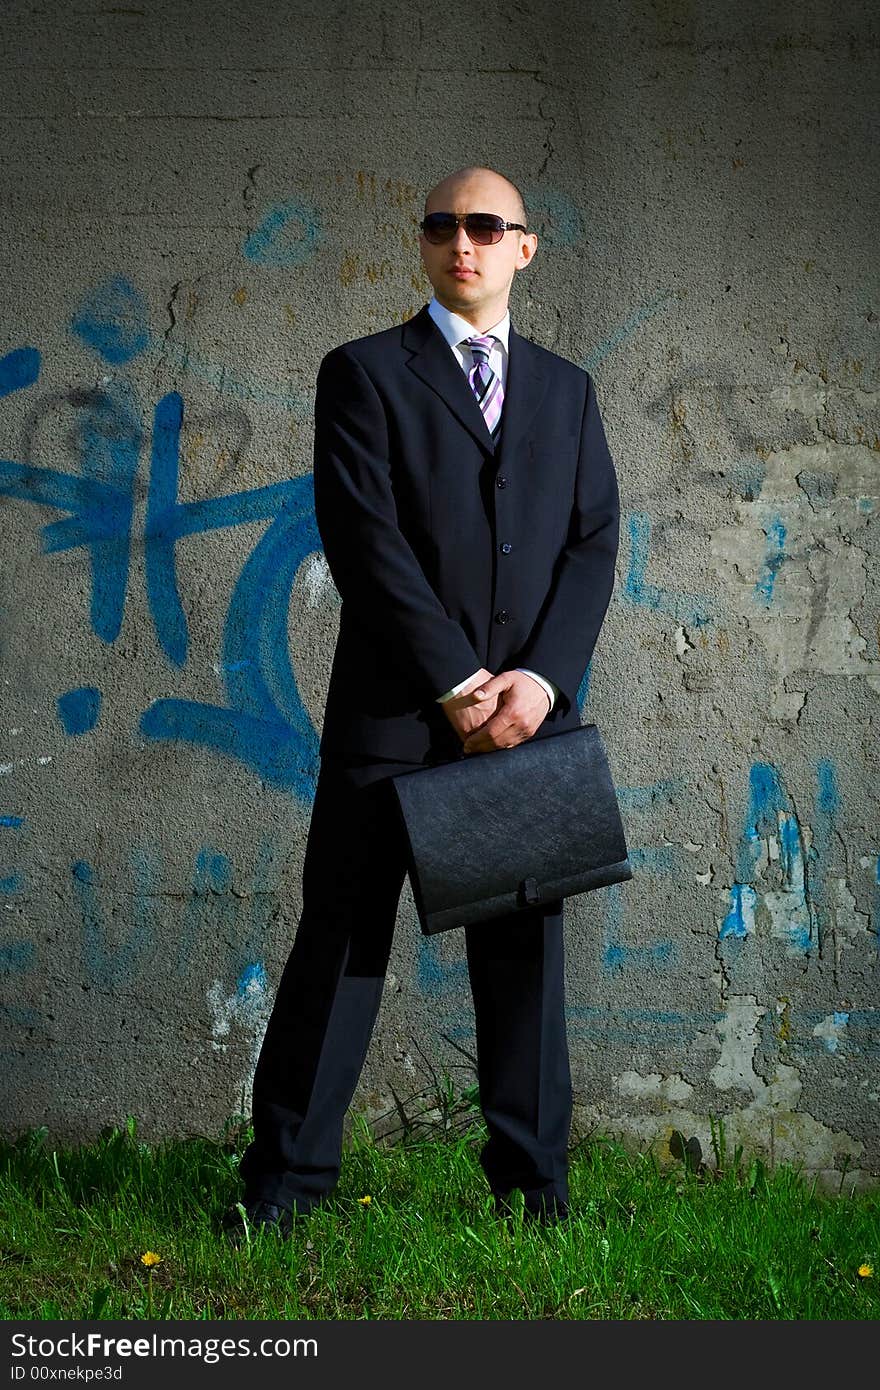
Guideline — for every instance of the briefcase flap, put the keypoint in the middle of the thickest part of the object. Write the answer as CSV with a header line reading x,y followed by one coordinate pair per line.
x,y
495,832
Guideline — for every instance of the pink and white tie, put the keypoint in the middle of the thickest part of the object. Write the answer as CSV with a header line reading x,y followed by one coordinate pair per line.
x,y
485,384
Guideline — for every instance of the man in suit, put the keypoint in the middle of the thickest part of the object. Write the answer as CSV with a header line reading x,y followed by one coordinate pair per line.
x,y
469,511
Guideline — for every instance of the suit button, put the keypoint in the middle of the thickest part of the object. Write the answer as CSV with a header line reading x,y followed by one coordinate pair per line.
x,y
501,482
506,547
502,615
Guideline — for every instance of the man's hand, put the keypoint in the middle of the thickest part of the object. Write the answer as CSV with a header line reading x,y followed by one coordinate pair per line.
x,y
522,704
464,711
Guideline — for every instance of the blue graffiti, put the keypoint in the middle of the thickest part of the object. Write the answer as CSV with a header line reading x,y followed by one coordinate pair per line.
x,y
770,815
766,798
839,1020
103,962
563,223
616,956
100,498
271,244
215,910
210,900
262,904
626,330
18,369
434,977
661,859
772,561
655,956
112,320
685,608
78,709
740,919
17,957
828,796
860,1029
252,980
658,859
265,724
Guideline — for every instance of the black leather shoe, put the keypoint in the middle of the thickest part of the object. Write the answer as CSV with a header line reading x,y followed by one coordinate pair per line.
x,y
540,1210
553,1215
260,1216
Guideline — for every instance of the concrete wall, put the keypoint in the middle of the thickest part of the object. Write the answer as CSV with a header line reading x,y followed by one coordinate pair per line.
x,y
203,198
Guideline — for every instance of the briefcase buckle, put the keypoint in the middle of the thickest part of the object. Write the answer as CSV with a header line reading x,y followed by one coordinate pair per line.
x,y
530,890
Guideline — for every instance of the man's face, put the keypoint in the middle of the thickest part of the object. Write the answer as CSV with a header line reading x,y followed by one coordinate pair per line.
x,y
468,278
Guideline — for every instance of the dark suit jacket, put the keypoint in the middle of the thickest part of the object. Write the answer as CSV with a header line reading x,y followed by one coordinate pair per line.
x,y
450,552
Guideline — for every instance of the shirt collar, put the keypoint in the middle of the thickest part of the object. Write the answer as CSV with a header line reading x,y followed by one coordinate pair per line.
x,y
454,328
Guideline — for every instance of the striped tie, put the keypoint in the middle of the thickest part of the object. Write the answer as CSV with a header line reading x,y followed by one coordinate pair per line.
x,y
485,384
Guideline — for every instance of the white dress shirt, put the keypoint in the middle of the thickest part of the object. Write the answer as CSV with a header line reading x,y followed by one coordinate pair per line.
x,y
455,330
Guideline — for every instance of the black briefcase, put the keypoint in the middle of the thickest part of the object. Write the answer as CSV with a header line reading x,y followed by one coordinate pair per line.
x,y
493,833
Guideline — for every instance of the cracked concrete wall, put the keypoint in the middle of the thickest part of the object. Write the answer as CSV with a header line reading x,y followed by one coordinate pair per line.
x,y
202,199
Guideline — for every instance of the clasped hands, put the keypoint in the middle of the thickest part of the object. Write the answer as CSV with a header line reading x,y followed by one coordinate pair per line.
x,y
497,711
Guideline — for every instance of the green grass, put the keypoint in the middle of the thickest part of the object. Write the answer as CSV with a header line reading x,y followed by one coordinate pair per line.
x,y
644,1242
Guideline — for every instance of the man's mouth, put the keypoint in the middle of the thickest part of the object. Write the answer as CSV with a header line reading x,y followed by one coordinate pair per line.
x,y
462,271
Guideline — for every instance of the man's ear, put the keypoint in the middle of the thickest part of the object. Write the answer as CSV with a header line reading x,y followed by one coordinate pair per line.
x,y
529,245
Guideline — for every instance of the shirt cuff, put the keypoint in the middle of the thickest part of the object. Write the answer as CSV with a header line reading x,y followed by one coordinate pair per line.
x,y
551,689
456,689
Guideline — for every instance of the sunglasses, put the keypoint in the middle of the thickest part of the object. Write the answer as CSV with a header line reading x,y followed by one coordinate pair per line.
x,y
483,228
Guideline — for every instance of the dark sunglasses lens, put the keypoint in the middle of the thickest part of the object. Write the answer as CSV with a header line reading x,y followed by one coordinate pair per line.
x,y
439,226
483,229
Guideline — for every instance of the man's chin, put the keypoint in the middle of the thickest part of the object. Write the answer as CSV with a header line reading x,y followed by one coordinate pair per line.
x,y
458,293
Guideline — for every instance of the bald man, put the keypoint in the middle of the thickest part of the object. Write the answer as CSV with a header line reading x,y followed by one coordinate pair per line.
x,y
469,512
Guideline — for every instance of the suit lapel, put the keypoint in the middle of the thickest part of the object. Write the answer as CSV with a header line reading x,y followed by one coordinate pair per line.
x,y
525,389
434,363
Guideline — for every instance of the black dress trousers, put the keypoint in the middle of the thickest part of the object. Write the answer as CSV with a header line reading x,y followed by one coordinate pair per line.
x,y
329,996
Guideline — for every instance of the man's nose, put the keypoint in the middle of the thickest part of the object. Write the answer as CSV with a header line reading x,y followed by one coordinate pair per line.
x,y
461,241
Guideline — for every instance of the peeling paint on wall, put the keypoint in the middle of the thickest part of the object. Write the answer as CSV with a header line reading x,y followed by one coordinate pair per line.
x,y
247,1009
795,571
832,1029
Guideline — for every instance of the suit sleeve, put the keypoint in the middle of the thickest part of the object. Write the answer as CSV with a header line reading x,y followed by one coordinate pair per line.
x,y
457,689
562,640
373,566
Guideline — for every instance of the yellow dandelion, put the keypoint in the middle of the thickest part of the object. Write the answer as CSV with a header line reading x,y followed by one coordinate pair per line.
x,y
365,1201
151,1258
866,1271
